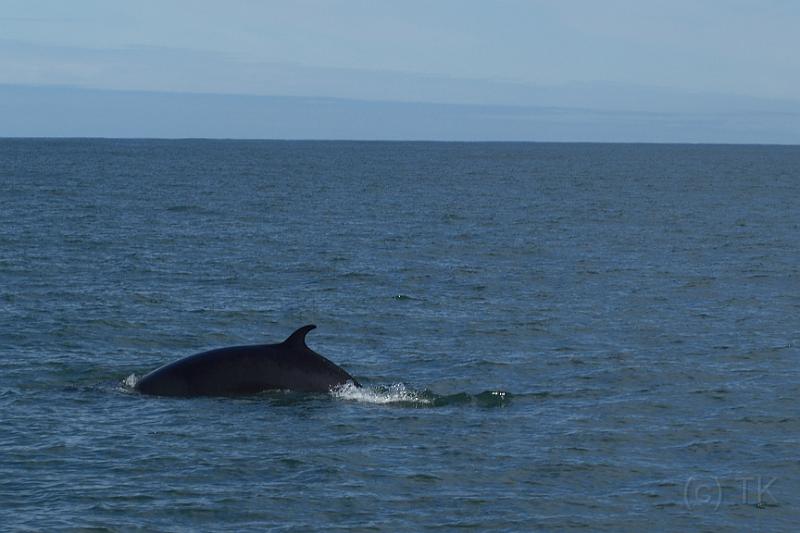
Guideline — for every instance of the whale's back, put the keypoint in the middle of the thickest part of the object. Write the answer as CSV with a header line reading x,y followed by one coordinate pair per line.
x,y
247,370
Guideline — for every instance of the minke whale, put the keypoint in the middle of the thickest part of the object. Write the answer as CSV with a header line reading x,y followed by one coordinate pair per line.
x,y
247,370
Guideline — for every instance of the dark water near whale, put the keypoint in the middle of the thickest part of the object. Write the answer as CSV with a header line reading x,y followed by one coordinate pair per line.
x,y
552,336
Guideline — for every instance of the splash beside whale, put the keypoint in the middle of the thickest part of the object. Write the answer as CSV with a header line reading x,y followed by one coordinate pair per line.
x,y
237,370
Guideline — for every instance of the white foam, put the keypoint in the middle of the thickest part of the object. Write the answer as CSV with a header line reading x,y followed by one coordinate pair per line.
x,y
397,393
129,382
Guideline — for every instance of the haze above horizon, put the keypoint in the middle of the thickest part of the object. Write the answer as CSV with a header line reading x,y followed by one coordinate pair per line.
x,y
468,70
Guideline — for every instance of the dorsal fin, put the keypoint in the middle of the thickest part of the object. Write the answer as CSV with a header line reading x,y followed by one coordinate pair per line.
x,y
298,338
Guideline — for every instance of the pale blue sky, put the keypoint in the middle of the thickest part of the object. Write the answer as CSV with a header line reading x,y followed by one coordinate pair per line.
x,y
703,58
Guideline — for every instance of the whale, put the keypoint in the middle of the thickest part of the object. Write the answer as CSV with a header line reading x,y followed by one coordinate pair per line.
x,y
242,370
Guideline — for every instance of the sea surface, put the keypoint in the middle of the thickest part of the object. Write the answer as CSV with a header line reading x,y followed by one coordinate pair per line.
x,y
554,337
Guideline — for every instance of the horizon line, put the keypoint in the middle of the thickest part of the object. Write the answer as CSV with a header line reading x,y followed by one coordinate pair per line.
x,y
379,141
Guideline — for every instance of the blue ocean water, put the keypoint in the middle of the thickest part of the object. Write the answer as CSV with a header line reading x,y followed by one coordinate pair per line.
x,y
551,336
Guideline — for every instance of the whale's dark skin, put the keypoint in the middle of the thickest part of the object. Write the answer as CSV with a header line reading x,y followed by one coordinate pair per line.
x,y
247,370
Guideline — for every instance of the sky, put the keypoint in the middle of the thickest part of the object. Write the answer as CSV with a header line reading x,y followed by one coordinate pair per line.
x,y
616,70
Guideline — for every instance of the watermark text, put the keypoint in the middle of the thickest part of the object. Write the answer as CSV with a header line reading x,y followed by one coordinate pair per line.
x,y
709,492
